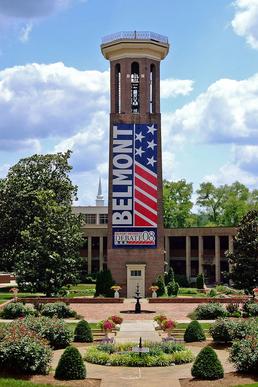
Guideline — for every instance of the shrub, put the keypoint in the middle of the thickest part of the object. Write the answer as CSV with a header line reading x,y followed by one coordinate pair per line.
x,y
223,330
244,328
104,282
57,309
207,366
160,283
232,308
212,293
51,329
23,351
83,332
194,332
244,354
200,281
172,288
159,319
209,311
169,276
16,310
70,365
250,309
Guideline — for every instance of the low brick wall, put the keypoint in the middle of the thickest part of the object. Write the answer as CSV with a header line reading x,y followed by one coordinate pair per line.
x,y
5,278
197,300
5,303
75,300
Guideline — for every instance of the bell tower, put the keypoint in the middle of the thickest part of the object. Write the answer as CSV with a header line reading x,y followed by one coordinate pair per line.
x,y
135,220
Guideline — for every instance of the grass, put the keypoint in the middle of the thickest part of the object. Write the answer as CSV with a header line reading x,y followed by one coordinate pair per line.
x,y
247,385
6,382
185,325
71,326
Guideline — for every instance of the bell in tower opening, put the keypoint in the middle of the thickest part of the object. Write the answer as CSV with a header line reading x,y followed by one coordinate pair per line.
x,y
135,252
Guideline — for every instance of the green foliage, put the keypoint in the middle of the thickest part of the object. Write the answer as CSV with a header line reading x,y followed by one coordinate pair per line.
x,y
16,310
163,354
23,351
212,293
194,332
209,311
52,329
169,276
70,365
200,281
232,308
226,330
244,354
160,283
104,282
57,309
182,280
207,366
83,332
250,309
172,288
243,260
40,236
177,203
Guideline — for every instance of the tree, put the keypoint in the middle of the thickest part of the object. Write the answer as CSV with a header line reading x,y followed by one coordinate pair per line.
x,y
104,282
40,235
211,198
244,258
169,276
177,203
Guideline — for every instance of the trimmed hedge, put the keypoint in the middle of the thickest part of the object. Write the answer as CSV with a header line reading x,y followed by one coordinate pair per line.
x,y
225,330
209,311
16,310
194,332
57,309
70,365
207,366
82,333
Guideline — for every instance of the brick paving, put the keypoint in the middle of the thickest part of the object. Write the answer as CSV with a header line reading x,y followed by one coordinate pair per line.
x,y
95,312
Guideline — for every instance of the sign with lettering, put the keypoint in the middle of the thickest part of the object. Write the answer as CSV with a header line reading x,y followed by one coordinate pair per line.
x,y
134,185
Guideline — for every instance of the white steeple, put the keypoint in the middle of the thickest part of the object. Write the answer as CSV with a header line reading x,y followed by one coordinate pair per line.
x,y
100,197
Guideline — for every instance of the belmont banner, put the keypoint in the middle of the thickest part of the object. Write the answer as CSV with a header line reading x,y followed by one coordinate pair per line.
x,y
134,185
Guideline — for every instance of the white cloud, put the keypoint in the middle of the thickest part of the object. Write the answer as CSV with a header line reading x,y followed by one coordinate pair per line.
x,y
245,22
40,101
174,87
229,173
226,113
25,32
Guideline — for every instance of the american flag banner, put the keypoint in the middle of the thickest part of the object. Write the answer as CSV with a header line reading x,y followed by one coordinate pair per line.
x,y
134,185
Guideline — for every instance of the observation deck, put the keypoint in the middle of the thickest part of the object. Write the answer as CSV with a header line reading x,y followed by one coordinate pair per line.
x,y
137,44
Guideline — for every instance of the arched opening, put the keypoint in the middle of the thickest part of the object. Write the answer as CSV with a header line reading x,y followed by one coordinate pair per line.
x,y
135,88
152,88
118,88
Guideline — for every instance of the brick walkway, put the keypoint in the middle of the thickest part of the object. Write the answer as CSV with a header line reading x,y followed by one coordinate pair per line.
x,y
97,312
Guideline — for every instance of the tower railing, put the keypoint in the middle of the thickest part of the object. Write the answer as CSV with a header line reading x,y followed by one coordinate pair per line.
x,y
138,35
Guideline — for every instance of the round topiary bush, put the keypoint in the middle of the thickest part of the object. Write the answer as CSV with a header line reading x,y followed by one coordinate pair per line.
x,y
16,310
194,332
57,309
70,365
207,366
83,332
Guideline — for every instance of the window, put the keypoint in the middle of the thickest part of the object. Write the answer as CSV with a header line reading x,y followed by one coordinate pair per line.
x,y
135,88
117,88
103,218
136,273
89,218
152,89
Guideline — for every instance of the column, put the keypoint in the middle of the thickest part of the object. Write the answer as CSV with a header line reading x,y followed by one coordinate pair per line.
x,y
188,256
200,253
101,256
217,259
167,249
231,250
89,254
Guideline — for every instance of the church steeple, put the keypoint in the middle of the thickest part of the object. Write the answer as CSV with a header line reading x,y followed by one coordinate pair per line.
x,y
100,197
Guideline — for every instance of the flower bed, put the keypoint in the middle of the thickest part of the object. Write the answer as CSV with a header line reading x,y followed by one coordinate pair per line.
x,y
159,355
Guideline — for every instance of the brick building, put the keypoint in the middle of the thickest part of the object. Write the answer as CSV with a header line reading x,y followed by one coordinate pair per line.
x,y
128,235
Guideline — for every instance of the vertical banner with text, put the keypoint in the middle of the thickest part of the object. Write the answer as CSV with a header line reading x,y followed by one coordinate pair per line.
x,y
134,185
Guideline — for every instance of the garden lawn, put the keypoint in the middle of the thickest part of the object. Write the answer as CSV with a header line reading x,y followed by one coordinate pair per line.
x,y
185,325
71,326
19,383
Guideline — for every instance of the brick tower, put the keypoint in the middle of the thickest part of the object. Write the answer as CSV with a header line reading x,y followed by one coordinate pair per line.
x,y
135,253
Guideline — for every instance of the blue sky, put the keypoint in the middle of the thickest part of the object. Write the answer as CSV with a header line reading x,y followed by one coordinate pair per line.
x,y
54,85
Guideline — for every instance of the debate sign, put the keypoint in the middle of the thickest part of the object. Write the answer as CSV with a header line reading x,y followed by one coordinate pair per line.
x,y
134,185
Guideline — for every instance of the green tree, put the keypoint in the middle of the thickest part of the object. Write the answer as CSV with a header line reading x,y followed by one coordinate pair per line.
x,y
40,235
244,258
211,199
104,282
177,203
